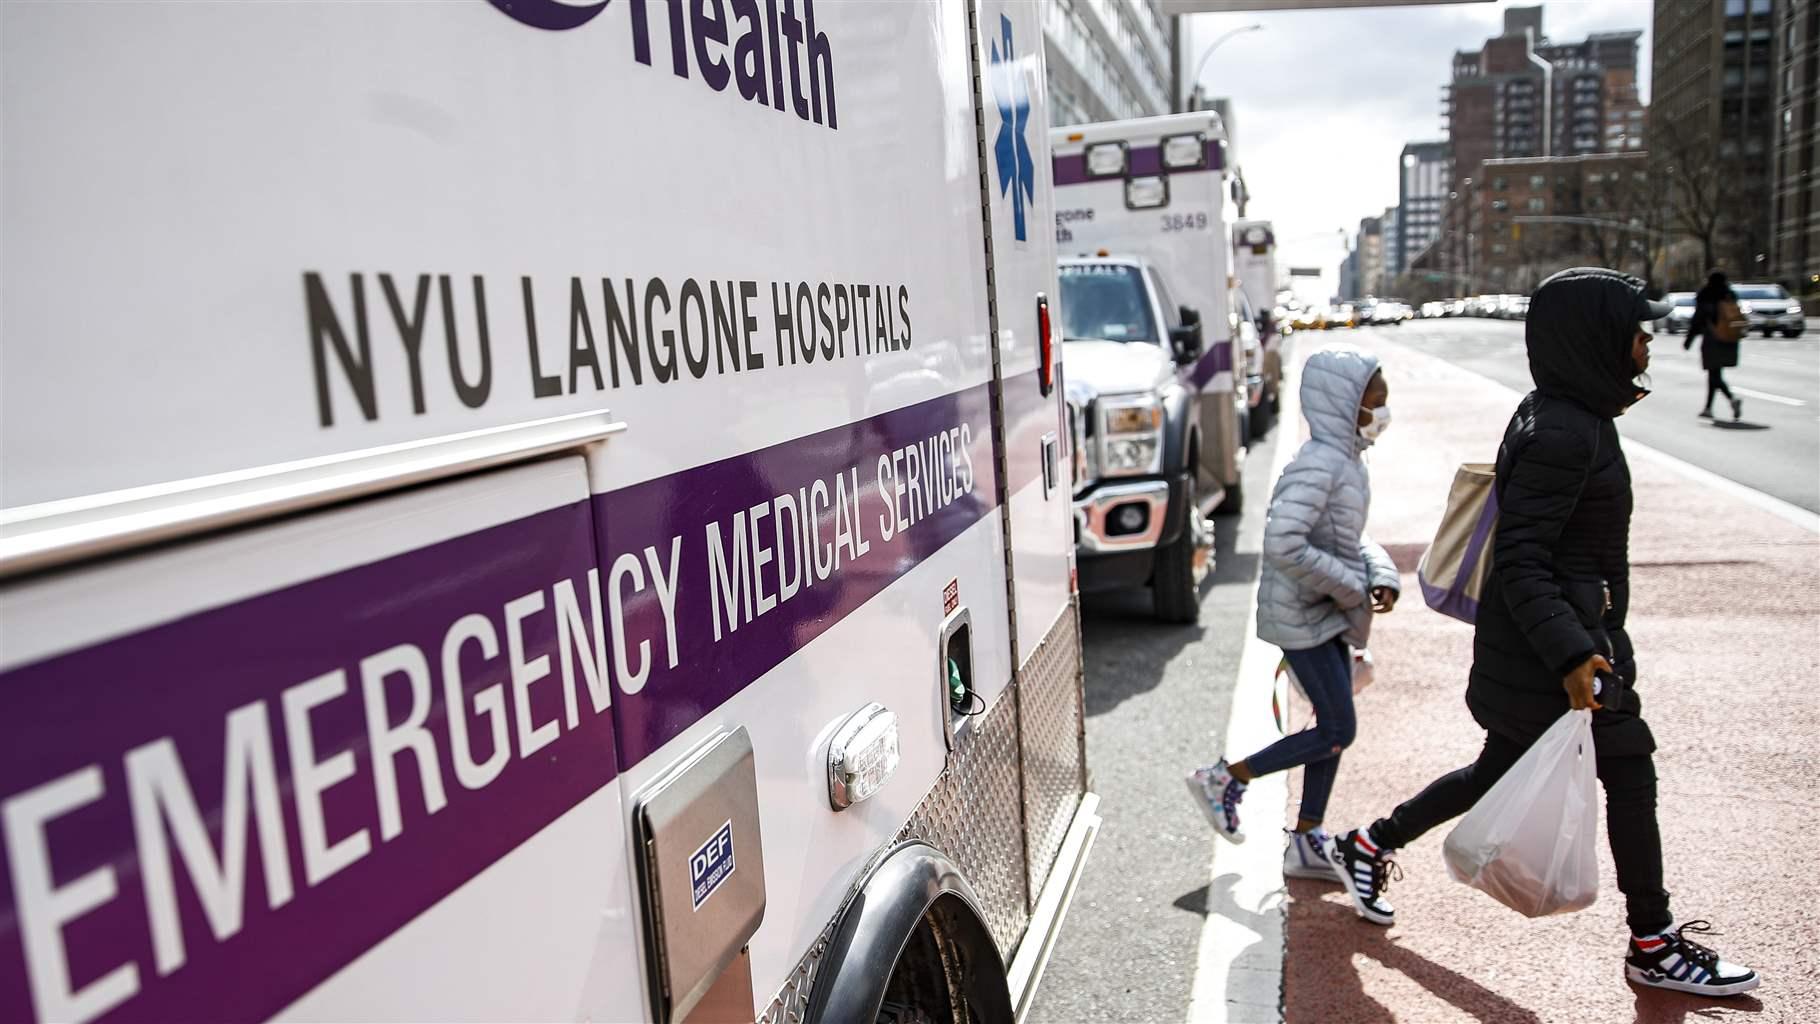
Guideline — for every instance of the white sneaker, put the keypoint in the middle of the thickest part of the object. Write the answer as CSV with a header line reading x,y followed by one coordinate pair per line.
x,y
1217,794
1673,960
1306,856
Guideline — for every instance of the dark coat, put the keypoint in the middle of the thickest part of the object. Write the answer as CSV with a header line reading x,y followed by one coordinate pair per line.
x,y
1564,506
1715,353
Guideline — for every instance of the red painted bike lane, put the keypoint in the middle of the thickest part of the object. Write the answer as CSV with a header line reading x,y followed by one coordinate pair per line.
x,y
1725,613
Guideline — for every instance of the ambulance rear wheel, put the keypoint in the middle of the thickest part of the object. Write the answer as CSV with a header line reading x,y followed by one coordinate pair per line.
x,y
948,973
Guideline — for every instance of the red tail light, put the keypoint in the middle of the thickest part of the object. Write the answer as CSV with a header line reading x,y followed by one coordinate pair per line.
x,y
1045,371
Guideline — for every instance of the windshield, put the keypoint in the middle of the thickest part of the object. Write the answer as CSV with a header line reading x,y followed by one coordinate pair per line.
x,y
1761,291
1682,298
1105,301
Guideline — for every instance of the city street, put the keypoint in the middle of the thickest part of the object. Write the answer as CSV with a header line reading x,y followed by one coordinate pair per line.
x,y
1774,447
1170,924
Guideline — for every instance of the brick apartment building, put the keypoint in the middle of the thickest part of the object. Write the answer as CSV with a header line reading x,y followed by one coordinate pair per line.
x,y
1522,95
1520,220
1711,117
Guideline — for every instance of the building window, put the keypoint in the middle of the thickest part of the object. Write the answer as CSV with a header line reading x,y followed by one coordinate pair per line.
x,y
1734,8
1760,6
1500,184
1537,204
1500,204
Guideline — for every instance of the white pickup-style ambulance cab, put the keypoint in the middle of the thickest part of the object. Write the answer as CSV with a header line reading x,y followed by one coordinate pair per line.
x,y
1154,187
1254,262
532,510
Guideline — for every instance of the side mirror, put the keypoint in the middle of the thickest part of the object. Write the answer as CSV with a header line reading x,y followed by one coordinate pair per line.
x,y
1185,340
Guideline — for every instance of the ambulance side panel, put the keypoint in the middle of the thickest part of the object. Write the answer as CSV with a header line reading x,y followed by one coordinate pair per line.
x,y
351,766
1020,187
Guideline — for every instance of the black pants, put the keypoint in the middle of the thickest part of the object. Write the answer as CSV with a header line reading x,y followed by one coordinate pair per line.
x,y
1715,382
1630,820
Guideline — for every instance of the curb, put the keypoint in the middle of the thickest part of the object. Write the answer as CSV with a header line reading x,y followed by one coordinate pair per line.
x,y
1238,974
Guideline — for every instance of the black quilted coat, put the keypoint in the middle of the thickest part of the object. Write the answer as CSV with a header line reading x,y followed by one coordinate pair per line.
x,y
1560,582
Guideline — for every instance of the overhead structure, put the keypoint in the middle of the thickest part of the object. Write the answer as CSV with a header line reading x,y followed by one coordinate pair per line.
x,y
1233,6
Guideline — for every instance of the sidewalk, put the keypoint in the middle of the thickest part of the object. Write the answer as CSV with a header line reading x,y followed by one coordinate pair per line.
x,y
1726,618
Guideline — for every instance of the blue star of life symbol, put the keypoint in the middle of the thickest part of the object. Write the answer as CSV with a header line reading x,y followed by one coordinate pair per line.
x,y
1011,152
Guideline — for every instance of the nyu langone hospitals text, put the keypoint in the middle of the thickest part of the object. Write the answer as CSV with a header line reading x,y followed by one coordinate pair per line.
x,y
620,332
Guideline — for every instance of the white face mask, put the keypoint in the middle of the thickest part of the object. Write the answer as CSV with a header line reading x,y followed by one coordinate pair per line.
x,y
1380,421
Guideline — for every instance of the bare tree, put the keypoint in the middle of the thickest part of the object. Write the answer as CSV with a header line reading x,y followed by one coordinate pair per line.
x,y
1694,187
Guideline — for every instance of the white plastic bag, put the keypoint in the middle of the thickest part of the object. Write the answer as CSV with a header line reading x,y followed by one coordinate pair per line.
x,y
1531,840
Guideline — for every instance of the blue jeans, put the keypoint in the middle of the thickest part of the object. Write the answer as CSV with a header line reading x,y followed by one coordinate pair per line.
x,y
1326,673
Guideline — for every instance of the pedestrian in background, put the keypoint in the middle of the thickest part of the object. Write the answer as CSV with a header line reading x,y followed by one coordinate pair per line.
x,y
1710,324
1321,581
1551,621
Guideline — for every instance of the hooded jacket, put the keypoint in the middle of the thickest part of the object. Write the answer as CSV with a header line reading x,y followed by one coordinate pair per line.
x,y
1715,352
1559,587
1319,566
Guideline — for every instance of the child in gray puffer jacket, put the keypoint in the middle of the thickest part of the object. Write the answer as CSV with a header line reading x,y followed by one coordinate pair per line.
x,y
1322,579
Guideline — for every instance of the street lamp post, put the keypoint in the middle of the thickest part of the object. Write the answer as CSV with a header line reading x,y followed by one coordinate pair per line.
x,y
1201,65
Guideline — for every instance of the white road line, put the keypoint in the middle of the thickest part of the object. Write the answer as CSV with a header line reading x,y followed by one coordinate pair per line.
x,y
1768,502
1767,397
1238,972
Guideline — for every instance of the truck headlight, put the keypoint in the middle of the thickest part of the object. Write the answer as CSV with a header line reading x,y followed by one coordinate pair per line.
x,y
1131,435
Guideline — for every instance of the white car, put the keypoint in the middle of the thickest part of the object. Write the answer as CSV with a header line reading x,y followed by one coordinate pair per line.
x,y
1771,309
1678,317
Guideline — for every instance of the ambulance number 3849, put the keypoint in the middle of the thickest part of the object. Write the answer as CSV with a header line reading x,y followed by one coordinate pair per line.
x,y
1184,221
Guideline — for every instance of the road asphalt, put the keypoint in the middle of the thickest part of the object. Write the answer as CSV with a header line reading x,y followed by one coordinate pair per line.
x,y
1726,614
1157,701
1774,447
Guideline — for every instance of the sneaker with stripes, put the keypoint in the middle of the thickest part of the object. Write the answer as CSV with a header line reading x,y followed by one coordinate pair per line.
x,y
1366,872
1671,960
1217,794
1306,855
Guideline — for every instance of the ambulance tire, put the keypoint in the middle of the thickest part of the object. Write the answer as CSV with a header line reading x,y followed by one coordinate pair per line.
x,y
1175,590
912,947
1262,418
1234,501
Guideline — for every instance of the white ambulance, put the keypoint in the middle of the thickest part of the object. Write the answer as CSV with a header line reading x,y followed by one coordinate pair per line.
x,y
534,511
1254,262
1154,187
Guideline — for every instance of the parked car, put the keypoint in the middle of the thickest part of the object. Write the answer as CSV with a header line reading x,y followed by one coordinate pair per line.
x,y
1679,316
1771,309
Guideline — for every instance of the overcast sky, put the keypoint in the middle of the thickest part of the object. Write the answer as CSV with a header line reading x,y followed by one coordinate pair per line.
x,y
1325,100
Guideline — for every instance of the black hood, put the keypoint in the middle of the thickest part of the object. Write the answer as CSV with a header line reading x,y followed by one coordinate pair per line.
x,y
1579,331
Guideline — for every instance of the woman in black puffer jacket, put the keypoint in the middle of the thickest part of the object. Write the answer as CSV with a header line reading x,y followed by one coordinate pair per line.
x,y
1551,621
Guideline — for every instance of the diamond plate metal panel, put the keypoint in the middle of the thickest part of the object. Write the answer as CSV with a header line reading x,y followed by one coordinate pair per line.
x,y
791,1005
1055,770
974,814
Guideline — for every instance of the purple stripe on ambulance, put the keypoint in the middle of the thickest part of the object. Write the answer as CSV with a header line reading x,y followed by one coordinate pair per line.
x,y
206,819
1139,160
1028,417
724,570
1216,360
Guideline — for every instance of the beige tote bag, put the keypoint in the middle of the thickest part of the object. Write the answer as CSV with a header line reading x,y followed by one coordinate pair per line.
x,y
1456,565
